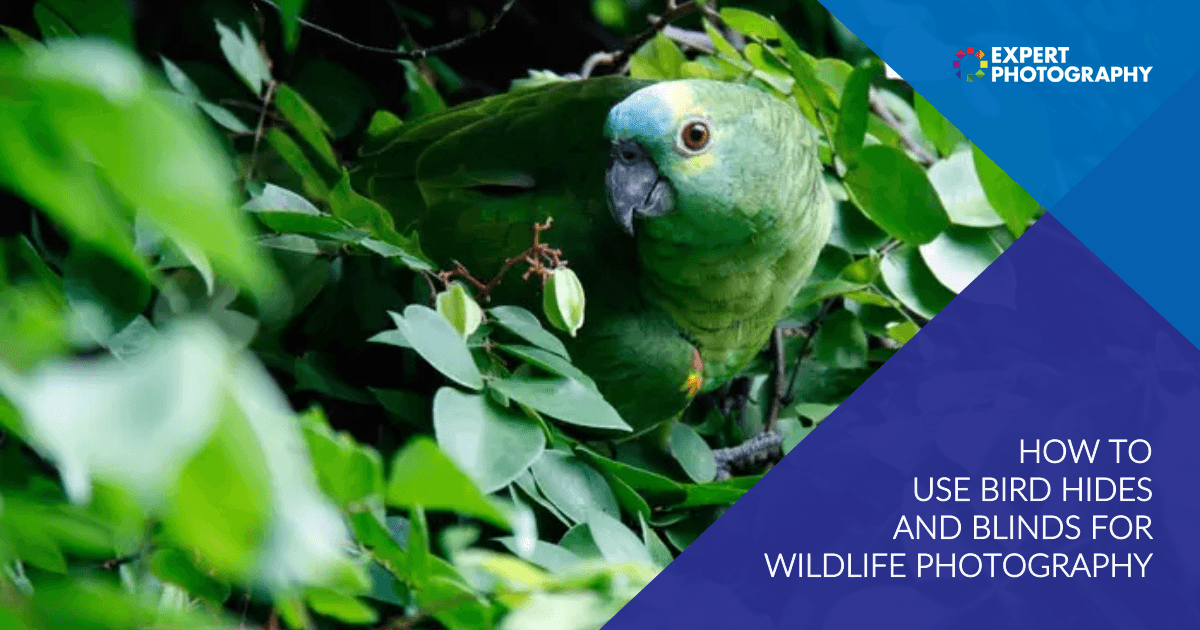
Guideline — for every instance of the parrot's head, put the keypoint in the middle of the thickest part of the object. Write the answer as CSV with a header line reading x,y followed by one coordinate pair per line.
x,y
705,162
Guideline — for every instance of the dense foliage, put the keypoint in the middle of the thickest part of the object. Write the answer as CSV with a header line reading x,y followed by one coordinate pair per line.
x,y
233,392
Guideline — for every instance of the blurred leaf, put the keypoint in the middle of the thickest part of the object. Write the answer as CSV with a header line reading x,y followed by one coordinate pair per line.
x,y
562,398
525,325
438,343
50,23
1010,201
852,119
751,23
958,187
24,42
340,606
573,486
841,341
306,121
106,18
659,58
174,566
901,332
692,453
958,255
945,136
422,475
549,556
96,106
490,443
199,435
242,53
834,73
895,192
289,18
346,470
907,276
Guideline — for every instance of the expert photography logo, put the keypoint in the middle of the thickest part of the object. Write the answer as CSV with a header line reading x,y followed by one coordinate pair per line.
x,y
1037,64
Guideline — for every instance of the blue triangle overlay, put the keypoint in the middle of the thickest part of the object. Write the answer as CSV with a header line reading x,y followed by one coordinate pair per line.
x,y
1045,135
1048,343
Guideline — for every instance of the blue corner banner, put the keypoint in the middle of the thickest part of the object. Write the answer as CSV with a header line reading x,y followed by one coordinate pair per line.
x,y
1029,459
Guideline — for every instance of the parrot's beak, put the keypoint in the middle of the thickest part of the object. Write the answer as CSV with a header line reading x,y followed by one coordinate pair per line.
x,y
635,187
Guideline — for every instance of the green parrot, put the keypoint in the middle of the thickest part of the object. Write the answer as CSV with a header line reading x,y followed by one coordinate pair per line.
x,y
692,211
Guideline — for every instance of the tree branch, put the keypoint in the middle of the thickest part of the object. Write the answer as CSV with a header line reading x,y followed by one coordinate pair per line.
x,y
881,109
621,57
414,55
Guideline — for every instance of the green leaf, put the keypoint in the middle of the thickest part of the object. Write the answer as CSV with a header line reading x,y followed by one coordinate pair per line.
x,y
659,554
573,487
563,300
422,475
958,255
306,121
895,192
841,341
492,444
617,543
365,213
659,58
548,361
436,340
907,276
340,606
834,73
460,309
692,452
1011,201
562,398
751,23
852,119
314,185
945,136
242,53
722,45
958,187
421,96
525,325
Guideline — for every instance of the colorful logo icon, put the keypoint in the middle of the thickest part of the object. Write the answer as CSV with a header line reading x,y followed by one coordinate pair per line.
x,y
972,61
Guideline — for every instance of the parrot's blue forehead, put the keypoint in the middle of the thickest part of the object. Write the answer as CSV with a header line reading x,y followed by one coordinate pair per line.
x,y
649,113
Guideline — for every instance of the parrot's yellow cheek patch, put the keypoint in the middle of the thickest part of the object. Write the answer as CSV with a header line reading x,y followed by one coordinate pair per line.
x,y
696,165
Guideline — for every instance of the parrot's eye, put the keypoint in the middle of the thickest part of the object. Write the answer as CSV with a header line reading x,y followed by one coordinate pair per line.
x,y
695,135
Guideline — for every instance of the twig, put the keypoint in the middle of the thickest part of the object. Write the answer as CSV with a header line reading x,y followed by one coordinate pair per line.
x,y
619,58
779,383
881,109
258,129
417,54
755,450
534,257
816,323
696,40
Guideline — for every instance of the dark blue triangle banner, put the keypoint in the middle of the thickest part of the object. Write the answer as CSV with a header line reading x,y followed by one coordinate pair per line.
x,y
1028,459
